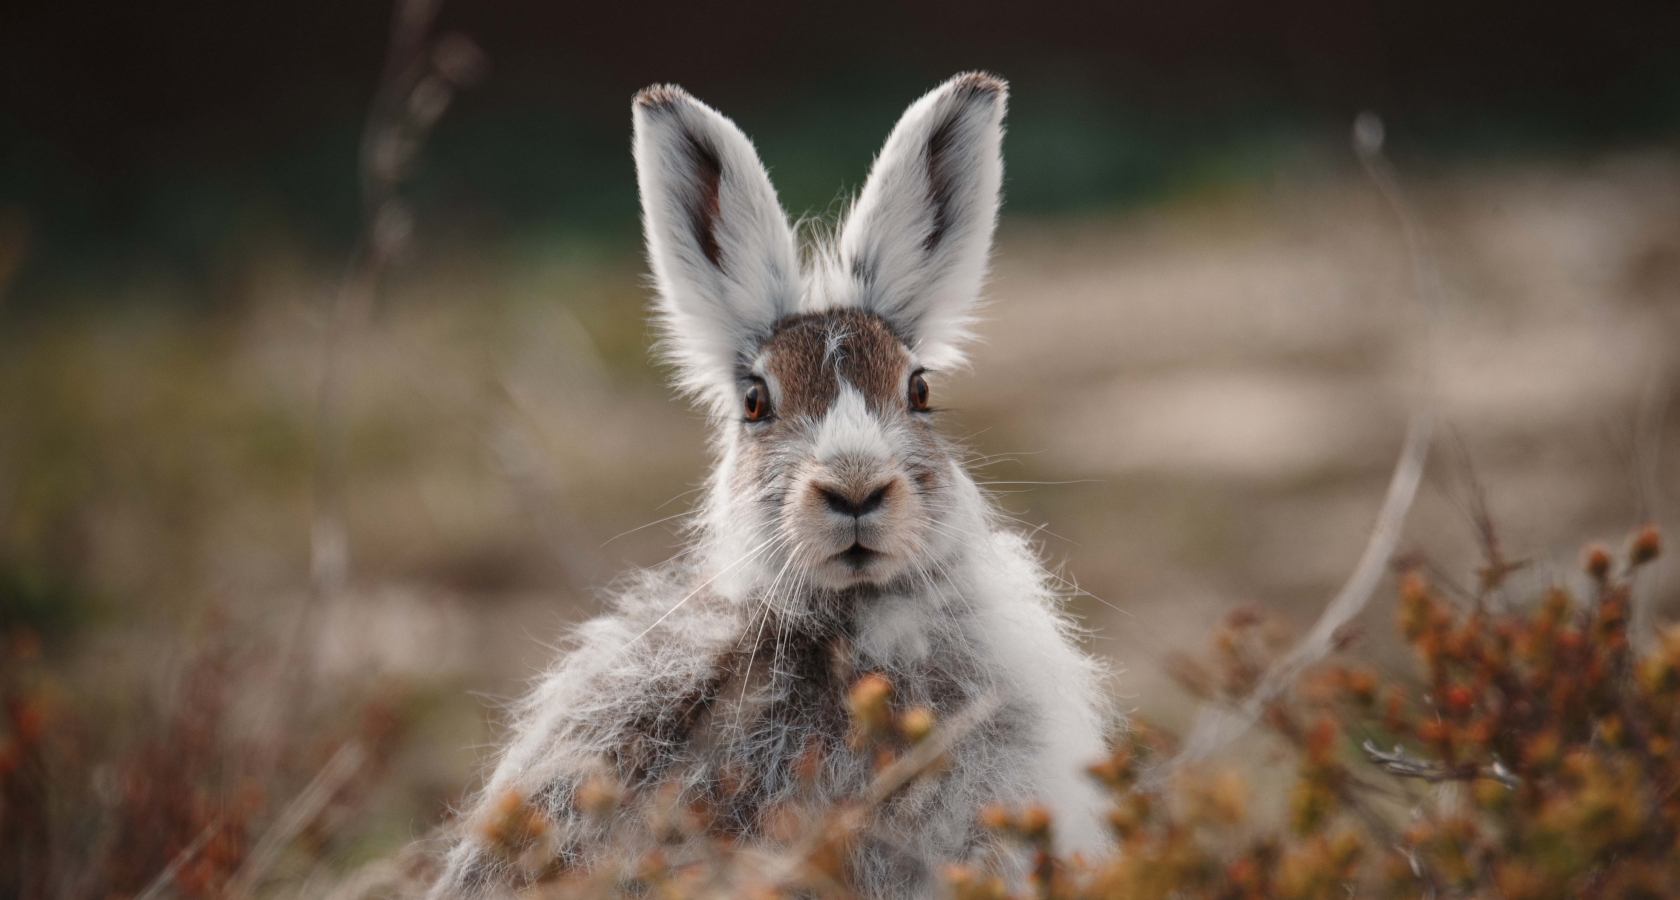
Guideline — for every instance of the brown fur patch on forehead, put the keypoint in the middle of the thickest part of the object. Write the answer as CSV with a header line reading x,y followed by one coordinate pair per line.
x,y
810,354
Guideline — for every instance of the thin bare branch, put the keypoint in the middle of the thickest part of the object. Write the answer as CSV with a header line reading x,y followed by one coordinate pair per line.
x,y
1404,765
161,882
930,749
888,781
1215,727
297,815
421,75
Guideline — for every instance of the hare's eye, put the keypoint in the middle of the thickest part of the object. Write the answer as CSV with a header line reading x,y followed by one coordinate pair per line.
x,y
918,392
757,401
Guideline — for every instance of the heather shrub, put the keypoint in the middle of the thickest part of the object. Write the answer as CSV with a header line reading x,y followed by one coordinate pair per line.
x,y
236,786
1531,754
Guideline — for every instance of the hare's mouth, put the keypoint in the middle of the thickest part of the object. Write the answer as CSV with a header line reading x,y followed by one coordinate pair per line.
x,y
858,556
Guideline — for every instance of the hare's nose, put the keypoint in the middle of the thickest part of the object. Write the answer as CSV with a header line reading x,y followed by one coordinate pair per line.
x,y
854,505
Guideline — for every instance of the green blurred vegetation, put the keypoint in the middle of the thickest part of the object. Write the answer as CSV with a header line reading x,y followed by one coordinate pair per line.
x,y
509,172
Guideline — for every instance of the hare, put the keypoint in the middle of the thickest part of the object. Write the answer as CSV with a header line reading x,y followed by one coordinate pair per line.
x,y
839,535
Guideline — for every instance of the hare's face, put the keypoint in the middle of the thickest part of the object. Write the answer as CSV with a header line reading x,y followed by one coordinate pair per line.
x,y
831,471
837,447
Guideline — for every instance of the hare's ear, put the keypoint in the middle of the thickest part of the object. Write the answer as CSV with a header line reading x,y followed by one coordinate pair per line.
x,y
721,250
916,243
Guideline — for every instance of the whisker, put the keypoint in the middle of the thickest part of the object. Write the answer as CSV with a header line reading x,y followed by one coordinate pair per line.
x,y
686,512
1072,481
752,655
679,497
1079,591
702,586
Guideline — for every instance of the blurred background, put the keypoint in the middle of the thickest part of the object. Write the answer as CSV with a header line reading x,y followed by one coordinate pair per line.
x,y
1202,346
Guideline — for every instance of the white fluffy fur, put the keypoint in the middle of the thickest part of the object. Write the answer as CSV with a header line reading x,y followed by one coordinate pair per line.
x,y
975,613
849,430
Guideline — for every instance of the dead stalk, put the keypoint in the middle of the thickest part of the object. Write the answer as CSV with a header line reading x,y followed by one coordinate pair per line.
x,y
1216,728
421,75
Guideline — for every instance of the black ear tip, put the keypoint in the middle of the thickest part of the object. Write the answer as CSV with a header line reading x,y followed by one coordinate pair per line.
x,y
661,97
979,84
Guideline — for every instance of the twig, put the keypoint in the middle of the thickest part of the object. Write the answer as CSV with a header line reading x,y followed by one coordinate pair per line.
x,y
361,883
888,781
1404,765
928,751
421,75
163,878
1648,482
297,815
1215,728
1368,138
1496,567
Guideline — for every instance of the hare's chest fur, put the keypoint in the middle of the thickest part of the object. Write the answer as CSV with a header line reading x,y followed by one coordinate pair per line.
x,y
765,724
716,704
771,723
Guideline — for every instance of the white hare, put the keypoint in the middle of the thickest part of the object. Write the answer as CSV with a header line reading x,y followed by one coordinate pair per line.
x,y
840,533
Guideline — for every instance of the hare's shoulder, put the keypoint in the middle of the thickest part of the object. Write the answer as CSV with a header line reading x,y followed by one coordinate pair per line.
x,y
620,681
674,604
663,631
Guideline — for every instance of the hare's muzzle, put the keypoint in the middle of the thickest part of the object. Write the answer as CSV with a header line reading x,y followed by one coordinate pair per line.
x,y
853,516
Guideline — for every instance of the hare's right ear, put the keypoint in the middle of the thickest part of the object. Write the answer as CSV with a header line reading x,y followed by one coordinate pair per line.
x,y
914,248
721,250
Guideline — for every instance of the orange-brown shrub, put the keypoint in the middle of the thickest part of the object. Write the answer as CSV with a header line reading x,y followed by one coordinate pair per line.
x,y
1534,753
171,804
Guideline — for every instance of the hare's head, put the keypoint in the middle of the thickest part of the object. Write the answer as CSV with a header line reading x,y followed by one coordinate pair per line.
x,y
822,376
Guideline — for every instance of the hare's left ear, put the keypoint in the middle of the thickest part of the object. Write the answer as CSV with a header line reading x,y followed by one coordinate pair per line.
x,y
720,246
915,246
